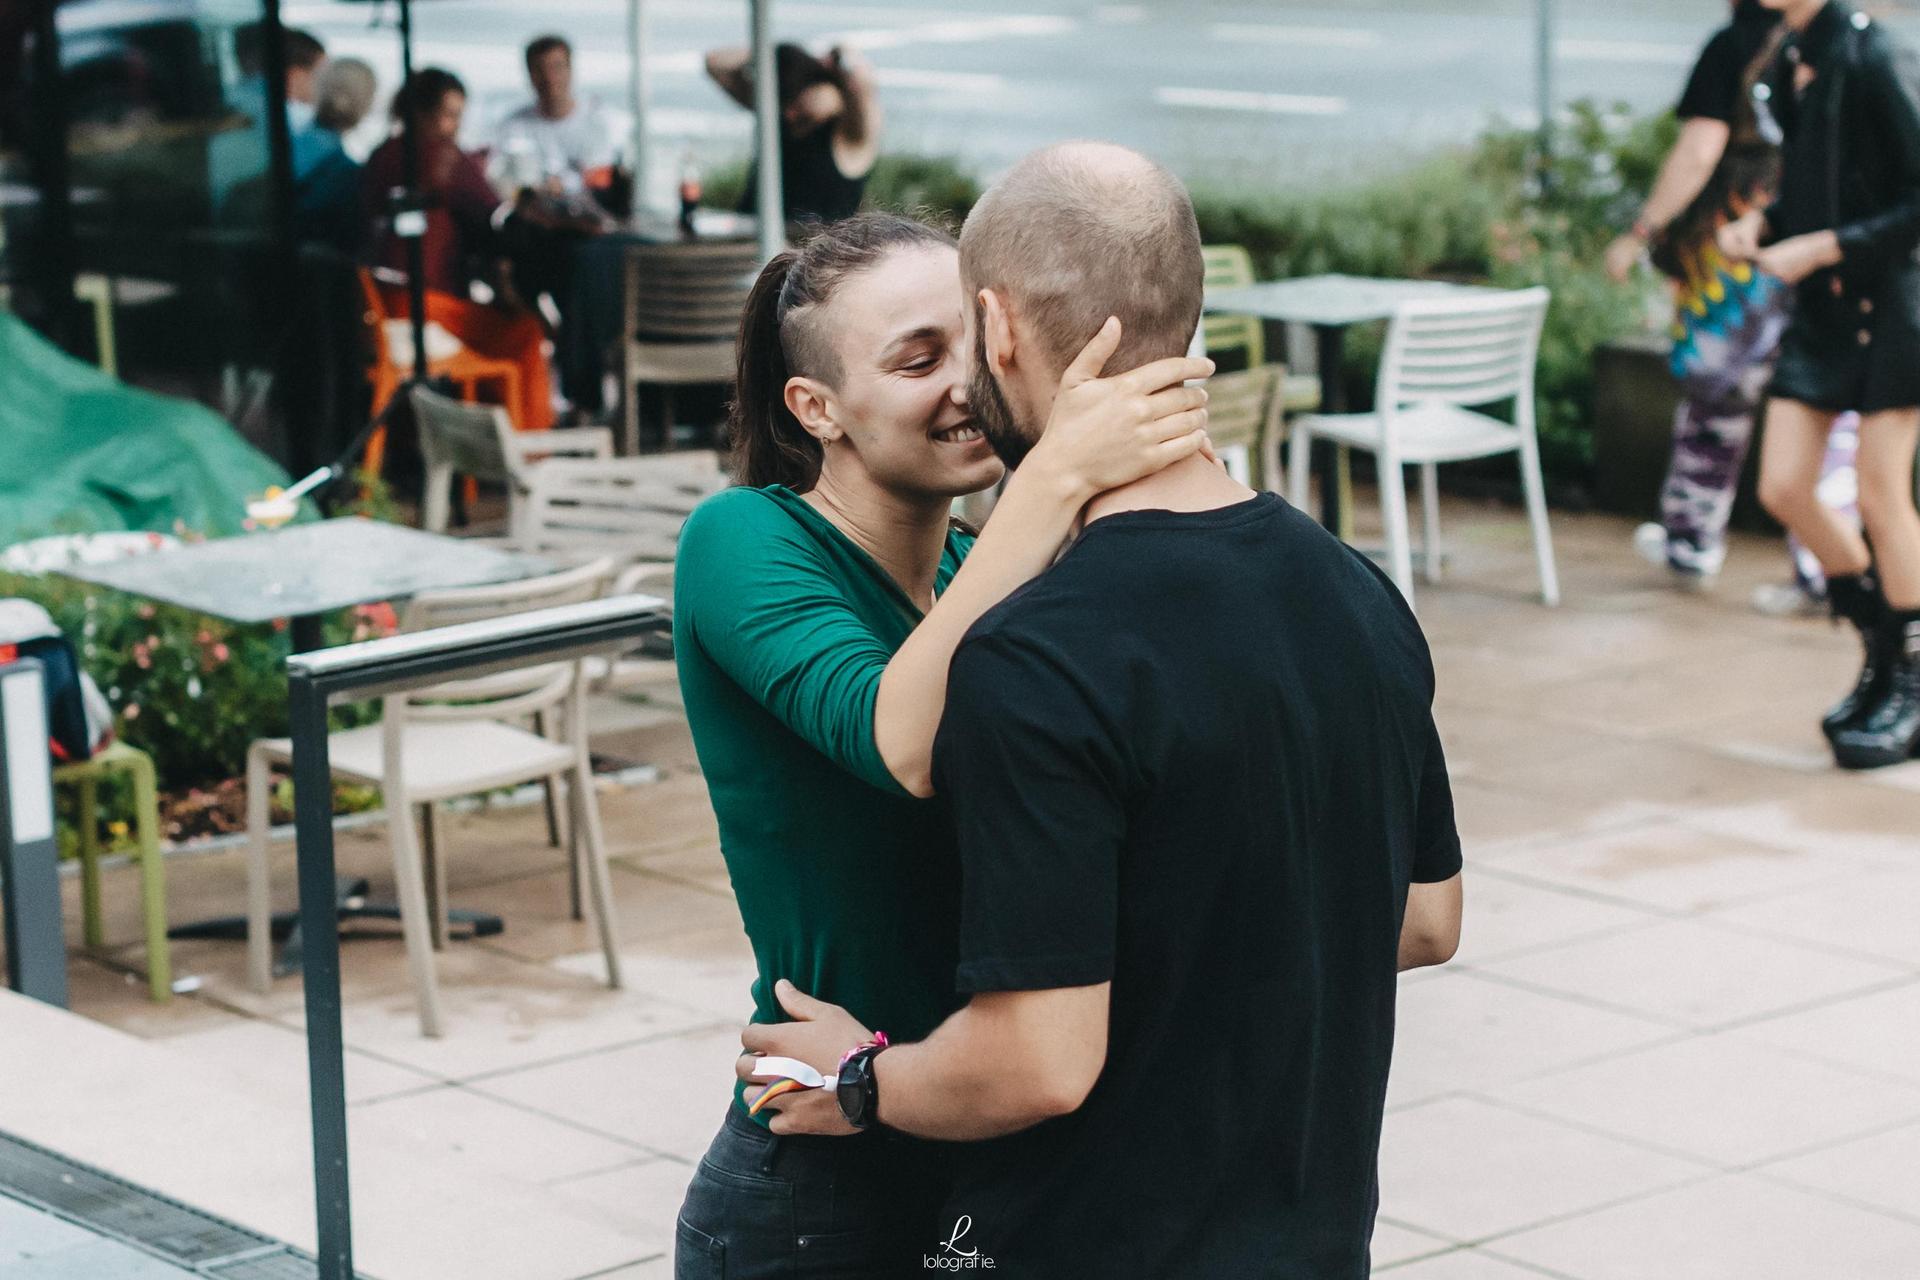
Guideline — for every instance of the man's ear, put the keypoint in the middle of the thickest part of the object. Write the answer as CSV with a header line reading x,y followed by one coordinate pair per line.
x,y
811,402
997,324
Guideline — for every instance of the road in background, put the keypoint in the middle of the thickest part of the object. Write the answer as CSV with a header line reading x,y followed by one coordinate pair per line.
x,y
1275,94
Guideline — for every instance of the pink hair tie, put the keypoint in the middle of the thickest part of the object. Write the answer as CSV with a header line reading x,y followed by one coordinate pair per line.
x,y
879,1041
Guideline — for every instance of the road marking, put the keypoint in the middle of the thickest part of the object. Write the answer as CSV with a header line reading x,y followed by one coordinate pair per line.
x,y
959,31
1302,37
1284,104
1632,51
940,81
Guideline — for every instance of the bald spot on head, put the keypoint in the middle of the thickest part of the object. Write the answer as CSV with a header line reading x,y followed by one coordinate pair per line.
x,y
1080,231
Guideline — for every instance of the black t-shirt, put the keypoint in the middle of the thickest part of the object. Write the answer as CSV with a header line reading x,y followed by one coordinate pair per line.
x,y
1196,758
1713,90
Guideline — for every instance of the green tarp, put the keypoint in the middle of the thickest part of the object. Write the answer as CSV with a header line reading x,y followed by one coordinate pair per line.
x,y
83,453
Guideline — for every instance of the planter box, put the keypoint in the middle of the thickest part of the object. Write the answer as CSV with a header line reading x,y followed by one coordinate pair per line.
x,y
1634,399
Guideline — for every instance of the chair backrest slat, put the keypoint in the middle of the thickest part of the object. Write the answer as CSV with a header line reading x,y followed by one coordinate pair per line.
x,y
1239,408
512,692
630,508
689,290
1466,351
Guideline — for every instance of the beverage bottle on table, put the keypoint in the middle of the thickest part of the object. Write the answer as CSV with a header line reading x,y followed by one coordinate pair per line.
x,y
689,195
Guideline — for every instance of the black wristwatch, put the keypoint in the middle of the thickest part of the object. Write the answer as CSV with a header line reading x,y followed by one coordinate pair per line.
x,y
858,1090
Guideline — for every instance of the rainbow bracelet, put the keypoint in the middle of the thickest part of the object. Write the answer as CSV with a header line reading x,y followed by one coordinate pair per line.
x,y
792,1074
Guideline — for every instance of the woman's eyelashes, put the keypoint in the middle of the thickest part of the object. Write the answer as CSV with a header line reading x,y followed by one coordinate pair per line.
x,y
921,362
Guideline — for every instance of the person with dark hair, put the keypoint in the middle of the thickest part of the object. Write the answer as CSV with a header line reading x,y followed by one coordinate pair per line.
x,y
816,606
829,127
1843,235
554,160
558,144
305,57
237,159
459,245
1203,818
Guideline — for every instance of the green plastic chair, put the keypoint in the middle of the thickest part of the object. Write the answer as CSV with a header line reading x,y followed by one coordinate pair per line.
x,y
119,758
1228,266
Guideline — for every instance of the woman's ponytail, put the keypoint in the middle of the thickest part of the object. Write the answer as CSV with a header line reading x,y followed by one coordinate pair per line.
x,y
768,443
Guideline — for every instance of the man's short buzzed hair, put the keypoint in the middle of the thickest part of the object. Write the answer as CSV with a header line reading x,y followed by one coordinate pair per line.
x,y
1080,231
540,46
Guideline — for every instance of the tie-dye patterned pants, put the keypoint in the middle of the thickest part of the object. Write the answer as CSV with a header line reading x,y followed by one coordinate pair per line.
x,y
1722,379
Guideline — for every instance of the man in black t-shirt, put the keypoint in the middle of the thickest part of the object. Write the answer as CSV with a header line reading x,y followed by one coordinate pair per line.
x,y
1203,815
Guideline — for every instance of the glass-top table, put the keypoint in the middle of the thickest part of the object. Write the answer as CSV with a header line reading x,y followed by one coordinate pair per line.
x,y
304,572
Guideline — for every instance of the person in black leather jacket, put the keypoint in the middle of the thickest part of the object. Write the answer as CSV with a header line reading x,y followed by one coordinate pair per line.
x,y
1844,232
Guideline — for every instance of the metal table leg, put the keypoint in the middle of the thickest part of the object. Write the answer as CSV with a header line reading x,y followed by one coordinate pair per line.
x,y
1336,480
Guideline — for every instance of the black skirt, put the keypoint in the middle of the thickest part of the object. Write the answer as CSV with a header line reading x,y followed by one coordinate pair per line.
x,y
1853,346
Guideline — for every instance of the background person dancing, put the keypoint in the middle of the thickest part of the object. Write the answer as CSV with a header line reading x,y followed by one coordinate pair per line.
x,y
1844,232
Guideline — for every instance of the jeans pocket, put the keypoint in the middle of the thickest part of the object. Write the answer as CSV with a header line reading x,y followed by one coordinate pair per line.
x,y
697,1255
738,1224
876,1253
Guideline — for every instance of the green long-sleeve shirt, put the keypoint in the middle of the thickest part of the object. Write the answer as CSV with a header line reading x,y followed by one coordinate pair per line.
x,y
848,886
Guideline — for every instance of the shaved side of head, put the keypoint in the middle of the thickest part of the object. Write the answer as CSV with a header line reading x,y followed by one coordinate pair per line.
x,y
1080,231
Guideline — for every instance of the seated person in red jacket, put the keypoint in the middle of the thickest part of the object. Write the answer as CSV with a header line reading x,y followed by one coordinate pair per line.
x,y
459,244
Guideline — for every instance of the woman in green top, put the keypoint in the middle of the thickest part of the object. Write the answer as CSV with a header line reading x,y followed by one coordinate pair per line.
x,y
816,608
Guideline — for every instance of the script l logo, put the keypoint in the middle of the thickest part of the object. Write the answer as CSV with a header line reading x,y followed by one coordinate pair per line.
x,y
960,1228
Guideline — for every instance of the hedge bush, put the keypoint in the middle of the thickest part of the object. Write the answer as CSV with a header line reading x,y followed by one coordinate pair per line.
x,y
1490,212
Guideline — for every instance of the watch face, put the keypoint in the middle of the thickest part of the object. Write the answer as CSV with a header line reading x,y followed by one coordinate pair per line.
x,y
854,1091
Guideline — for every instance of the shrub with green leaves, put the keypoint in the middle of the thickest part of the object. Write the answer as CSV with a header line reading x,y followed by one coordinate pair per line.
x,y
1492,212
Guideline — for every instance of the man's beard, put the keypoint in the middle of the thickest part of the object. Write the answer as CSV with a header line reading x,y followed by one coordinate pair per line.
x,y
988,404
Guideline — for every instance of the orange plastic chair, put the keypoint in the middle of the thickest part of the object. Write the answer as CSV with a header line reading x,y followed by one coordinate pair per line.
x,y
466,370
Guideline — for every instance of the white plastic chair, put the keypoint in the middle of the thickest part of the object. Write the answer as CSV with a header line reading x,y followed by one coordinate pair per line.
x,y
628,508
479,440
631,509
1443,357
455,739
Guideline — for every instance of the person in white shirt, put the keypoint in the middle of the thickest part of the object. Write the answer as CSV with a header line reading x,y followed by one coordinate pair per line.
x,y
556,142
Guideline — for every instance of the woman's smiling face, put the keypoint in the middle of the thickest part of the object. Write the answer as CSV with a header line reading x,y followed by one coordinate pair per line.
x,y
899,400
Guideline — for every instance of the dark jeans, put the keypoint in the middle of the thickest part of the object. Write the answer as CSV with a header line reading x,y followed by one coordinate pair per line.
x,y
855,1208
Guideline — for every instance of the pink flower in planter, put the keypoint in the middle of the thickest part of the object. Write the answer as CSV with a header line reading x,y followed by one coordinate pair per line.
x,y
132,712
380,618
221,653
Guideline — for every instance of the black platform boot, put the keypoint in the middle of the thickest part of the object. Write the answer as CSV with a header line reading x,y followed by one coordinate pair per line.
x,y
1856,598
1888,733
